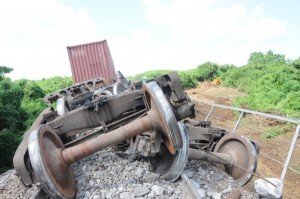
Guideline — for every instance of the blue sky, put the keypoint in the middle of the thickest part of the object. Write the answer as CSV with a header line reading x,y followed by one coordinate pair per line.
x,y
144,35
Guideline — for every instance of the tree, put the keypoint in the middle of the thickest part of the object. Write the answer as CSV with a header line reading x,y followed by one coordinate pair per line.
x,y
11,118
4,70
9,142
296,63
267,58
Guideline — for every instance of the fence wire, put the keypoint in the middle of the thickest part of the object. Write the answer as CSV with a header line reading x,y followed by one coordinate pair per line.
x,y
250,128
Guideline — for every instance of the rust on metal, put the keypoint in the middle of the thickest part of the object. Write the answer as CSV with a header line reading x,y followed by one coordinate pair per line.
x,y
238,147
55,176
91,60
103,141
219,158
234,194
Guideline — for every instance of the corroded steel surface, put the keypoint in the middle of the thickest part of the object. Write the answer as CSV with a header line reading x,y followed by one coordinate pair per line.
x,y
55,177
160,117
234,194
220,158
244,156
87,148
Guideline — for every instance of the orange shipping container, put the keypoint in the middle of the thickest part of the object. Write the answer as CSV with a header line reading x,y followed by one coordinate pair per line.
x,y
90,61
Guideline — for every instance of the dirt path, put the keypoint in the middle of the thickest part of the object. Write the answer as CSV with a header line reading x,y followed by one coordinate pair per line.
x,y
253,127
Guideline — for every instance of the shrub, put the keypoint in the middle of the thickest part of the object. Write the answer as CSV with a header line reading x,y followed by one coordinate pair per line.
x,y
186,80
273,132
149,74
206,71
9,142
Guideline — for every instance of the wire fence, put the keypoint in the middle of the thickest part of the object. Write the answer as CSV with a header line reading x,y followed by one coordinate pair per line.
x,y
283,147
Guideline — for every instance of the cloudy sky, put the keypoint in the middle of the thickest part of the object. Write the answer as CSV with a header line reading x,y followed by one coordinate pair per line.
x,y
146,34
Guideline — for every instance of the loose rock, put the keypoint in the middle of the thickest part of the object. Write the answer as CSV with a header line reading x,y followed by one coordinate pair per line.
x,y
140,172
201,192
107,175
140,191
157,190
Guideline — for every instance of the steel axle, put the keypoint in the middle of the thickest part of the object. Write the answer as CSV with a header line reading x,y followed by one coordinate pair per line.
x,y
51,162
219,158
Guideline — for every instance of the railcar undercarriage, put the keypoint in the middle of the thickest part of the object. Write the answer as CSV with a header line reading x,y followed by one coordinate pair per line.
x,y
151,118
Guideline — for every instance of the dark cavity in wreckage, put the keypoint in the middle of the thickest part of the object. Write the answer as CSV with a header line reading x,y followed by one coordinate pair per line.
x,y
147,118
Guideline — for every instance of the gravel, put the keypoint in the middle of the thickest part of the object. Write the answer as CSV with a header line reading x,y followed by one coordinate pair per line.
x,y
107,175
212,182
116,177
12,188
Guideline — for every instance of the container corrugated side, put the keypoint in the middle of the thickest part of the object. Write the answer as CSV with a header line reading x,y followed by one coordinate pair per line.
x,y
90,61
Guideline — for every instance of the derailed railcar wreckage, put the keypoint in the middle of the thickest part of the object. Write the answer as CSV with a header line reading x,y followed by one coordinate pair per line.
x,y
147,118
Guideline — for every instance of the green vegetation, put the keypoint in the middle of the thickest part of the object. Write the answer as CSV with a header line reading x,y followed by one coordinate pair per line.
x,y
54,83
273,132
149,74
21,102
271,82
189,78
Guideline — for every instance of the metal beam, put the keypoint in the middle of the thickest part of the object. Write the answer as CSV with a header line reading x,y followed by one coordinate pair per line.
x,y
238,122
287,162
211,110
247,111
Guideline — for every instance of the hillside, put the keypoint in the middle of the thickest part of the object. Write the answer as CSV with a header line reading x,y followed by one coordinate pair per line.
x,y
271,82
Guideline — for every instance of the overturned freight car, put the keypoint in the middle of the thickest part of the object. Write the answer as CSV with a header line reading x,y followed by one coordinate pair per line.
x,y
149,118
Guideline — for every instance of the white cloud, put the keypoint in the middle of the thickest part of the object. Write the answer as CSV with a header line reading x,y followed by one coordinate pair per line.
x,y
186,33
177,34
202,20
34,36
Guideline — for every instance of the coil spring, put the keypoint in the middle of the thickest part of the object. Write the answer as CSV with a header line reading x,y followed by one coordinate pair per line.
x,y
234,194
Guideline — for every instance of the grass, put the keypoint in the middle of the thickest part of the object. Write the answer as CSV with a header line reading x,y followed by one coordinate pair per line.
x,y
273,132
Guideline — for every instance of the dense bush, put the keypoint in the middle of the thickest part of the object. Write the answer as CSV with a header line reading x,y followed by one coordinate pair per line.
x,y
21,102
149,74
54,83
12,117
186,80
9,141
271,81
206,71
189,78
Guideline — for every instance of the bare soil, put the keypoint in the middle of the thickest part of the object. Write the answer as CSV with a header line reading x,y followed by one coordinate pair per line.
x,y
253,127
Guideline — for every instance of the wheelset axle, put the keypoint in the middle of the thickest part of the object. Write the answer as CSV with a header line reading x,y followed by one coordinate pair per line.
x,y
51,161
